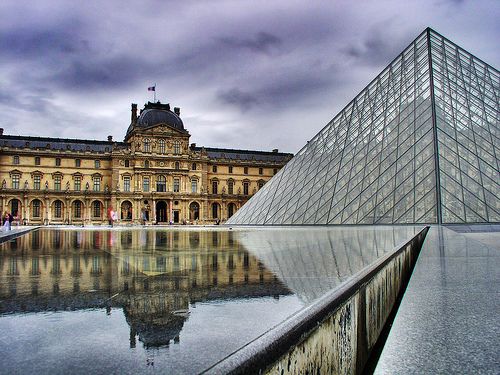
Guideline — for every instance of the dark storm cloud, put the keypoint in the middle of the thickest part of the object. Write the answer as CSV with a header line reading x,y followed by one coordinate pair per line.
x,y
74,66
236,97
378,46
38,42
116,72
263,42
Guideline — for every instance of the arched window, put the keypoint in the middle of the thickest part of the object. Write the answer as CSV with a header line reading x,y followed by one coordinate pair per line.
x,y
161,145
177,147
231,209
147,145
58,205
215,210
194,185
161,184
215,185
230,187
37,208
96,209
77,209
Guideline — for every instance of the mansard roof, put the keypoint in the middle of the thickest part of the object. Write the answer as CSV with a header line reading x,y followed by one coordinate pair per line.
x,y
244,155
19,141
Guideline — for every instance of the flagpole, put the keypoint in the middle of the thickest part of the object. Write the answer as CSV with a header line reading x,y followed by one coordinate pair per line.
x,y
154,91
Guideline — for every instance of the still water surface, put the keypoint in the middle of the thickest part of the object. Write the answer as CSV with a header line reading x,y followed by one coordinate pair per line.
x,y
164,300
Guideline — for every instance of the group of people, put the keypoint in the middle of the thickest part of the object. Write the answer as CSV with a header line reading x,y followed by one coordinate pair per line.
x,y
7,219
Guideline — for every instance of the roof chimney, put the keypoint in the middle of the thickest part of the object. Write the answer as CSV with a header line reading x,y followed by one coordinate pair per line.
x,y
110,138
193,145
1,131
134,113
177,111
275,150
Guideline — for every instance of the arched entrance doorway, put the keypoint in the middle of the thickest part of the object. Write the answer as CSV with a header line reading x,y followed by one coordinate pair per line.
x,y
161,212
15,208
194,211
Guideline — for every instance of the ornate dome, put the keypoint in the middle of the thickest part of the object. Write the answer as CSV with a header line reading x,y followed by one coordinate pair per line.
x,y
158,113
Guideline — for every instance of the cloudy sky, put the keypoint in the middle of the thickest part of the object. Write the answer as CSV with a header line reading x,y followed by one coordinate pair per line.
x,y
246,74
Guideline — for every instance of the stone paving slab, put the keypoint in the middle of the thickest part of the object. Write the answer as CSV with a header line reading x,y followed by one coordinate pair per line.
x,y
448,321
6,235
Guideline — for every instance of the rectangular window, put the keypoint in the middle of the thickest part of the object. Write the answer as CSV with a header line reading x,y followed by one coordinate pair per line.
x,y
176,185
36,208
245,188
97,183
37,160
230,187
97,164
245,170
126,183
230,168
275,170
96,209
145,184
194,186
214,187
77,210
214,168
16,159
15,181
261,171
127,163
78,183
78,163
36,182
58,209
162,146
177,147
58,162
57,183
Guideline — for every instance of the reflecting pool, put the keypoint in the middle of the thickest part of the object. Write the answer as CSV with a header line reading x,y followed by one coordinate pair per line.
x,y
163,299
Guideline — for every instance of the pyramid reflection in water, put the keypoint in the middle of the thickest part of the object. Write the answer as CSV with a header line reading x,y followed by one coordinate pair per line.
x,y
419,144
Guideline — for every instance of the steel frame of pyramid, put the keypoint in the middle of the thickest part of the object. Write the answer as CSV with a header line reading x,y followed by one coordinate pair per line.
x,y
419,144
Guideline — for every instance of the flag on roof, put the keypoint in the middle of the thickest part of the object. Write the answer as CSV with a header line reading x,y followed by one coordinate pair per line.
x,y
152,88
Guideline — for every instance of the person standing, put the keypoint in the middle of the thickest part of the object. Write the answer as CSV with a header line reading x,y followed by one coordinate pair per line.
x,y
5,221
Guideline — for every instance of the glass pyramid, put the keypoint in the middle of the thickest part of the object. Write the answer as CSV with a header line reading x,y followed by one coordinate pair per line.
x,y
419,144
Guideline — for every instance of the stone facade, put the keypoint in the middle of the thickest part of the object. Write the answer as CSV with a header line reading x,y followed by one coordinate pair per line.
x,y
155,176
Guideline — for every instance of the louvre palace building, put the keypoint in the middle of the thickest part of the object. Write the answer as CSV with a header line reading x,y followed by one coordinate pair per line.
x,y
155,176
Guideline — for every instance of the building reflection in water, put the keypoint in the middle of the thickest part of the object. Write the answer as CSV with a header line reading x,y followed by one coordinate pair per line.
x,y
153,275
